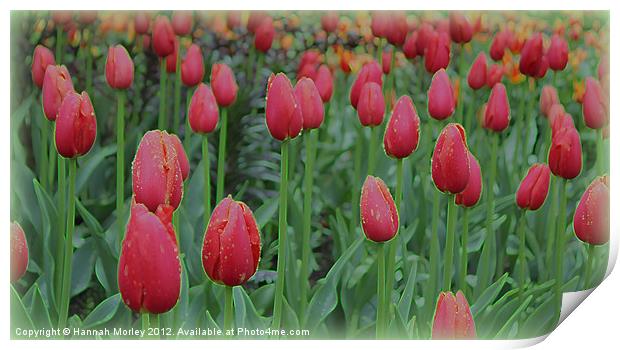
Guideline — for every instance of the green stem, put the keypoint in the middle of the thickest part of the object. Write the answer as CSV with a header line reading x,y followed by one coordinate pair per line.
x,y
550,229
449,250
391,257
528,116
464,238
43,167
162,120
145,322
187,134
485,276
66,276
62,221
228,308
177,95
380,327
207,178
221,157
311,139
559,247
588,267
372,152
522,261
600,166
259,66
282,227
120,161
89,68
52,155
357,170
462,74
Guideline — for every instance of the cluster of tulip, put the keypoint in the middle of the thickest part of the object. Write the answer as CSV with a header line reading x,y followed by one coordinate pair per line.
x,y
380,64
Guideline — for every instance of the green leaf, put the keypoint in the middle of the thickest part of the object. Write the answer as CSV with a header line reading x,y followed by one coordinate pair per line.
x,y
19,316
404,305
503,332
103,312
39,310
83,265
489,295
265,212
88,167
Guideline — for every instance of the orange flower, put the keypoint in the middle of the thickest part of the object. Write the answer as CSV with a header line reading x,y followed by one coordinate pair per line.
x,y
579,89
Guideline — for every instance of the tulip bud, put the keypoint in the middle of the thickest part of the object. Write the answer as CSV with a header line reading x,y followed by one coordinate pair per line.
x,y
498,46
497,114
163,37
324,83
532,62
534,187
494,75
182,22
233,20
471,194
282,112
591,221
450,166
377,211
425,32
371,105
149,272
370,72
308,64
410,48
19,252
157,176
403,129
379,24
192,68
142,22
565,153
61,17
557,54
76,125
441,101
231,248
453,319
557,110
561,120
56,85
118,68
310,103
223,84
171,59
437,54
595,105
477,76
548,98
386,61
41,58
460,30
264,35
397,29
203,112
254,20
329,21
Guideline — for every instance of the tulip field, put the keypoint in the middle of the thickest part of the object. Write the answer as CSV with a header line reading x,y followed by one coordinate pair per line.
x,y
306,175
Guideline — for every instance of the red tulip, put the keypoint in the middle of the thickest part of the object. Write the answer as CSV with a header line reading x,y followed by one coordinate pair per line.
x,y
450,166
203,112
329,21
371,105
591,221
231,247
557,110
548,98
76,125
595,105
557,54
437,54
403,129
282,112
370,72
397,28
19,252
62,17
171,59
157,175
534,187
233,19
163,37
192,67
533,63
441,100
386,61
41,58
149,272
425,32
565,153
182,22
308,64
410,47
477,76
494,75
264,35
461,30
118,68
181,155
560,120
223,84
324,82
497,113
379,24
471,194
453,319
310,103
255,19
56,85
498,46
377,211
142,22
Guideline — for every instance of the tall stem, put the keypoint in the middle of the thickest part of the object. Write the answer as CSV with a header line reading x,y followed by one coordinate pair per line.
x,y
282,226
43,167
177,94
162,120
120,161
522,262
464,238
207,176
449,250
600,165
145,322
187,135
550,229
221,157
485,276
380,327
62,219
391,257
588,267
559,249
66,276
357,170
528,116
372,152
311,139
228,308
